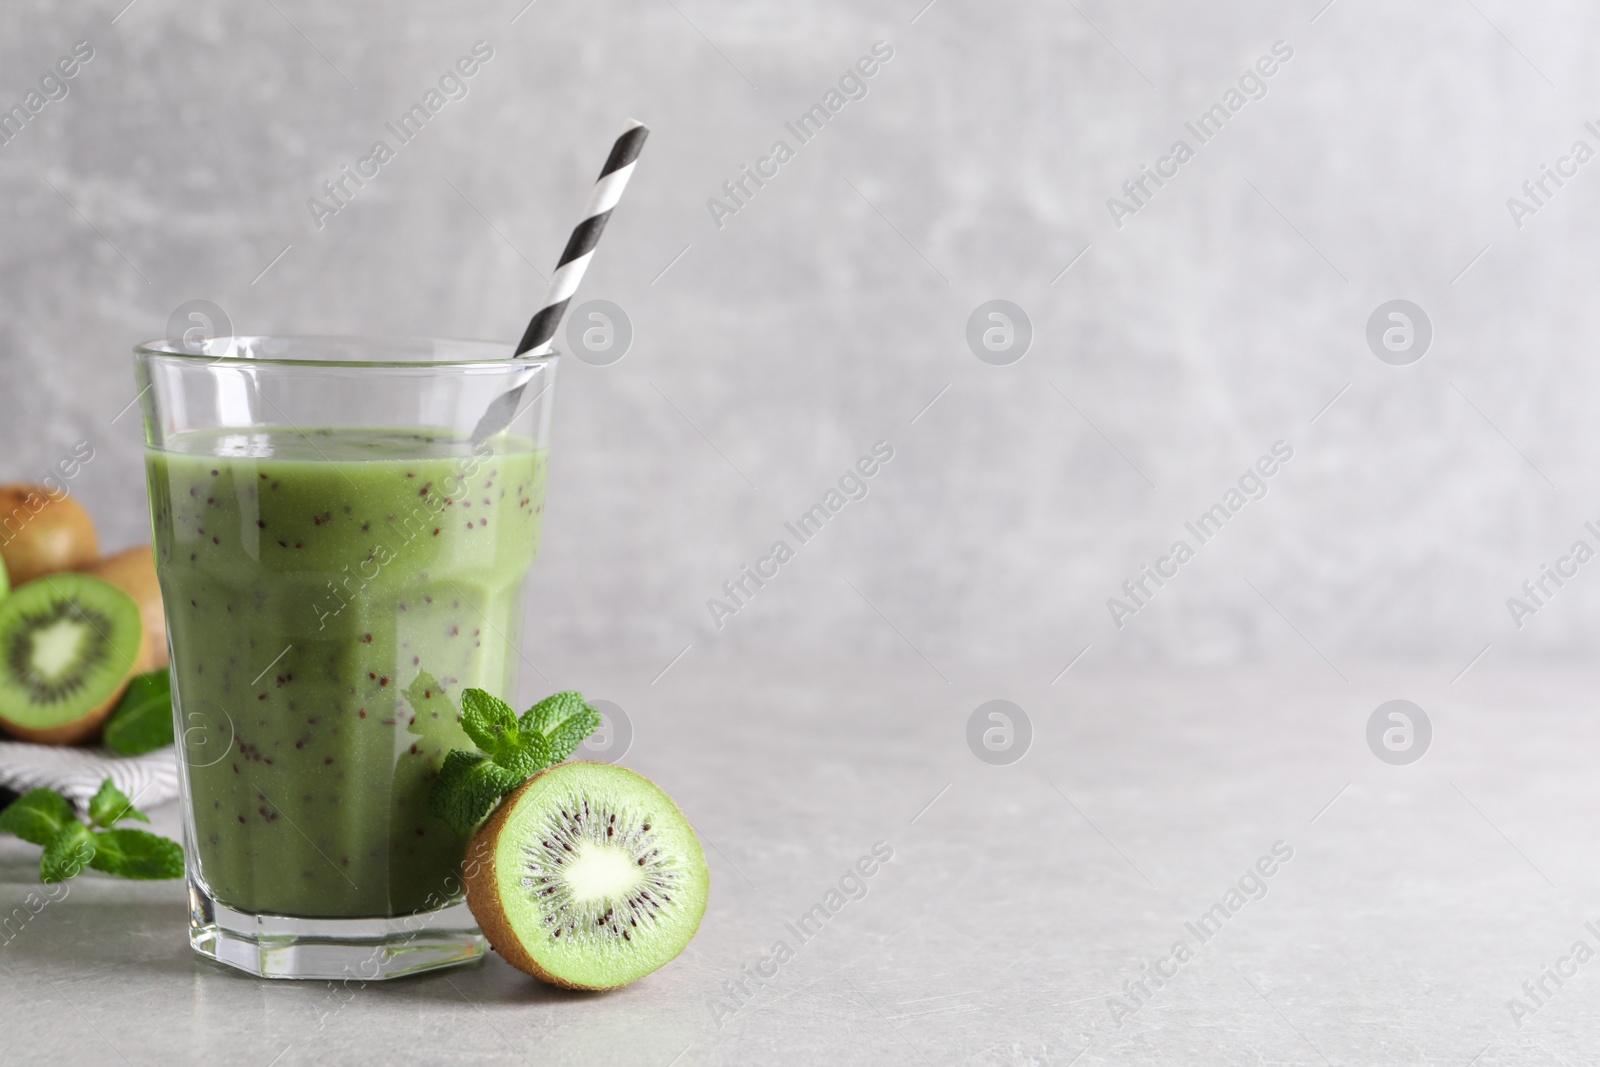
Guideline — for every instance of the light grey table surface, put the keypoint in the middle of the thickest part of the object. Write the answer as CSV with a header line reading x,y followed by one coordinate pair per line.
x,y
1020,900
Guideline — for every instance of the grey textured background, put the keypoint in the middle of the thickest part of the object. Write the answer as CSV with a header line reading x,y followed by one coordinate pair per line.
x,y
828,312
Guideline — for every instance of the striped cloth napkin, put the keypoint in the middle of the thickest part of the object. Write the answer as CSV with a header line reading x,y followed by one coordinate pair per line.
x,y
76,773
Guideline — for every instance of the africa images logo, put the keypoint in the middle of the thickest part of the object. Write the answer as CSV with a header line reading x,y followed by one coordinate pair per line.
x,y
1138,192
454,84
738,191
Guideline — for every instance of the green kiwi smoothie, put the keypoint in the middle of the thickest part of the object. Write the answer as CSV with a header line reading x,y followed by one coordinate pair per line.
x,y
309,578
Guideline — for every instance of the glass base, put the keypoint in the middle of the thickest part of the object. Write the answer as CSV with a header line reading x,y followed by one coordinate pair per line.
x,y
363,950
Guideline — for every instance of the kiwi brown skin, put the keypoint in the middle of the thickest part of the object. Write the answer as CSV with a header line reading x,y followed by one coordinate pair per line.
x,y
133,570
76,732
483,891
41,534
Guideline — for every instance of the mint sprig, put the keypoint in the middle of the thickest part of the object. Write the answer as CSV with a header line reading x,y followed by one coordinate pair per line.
x,y
44,817
511,750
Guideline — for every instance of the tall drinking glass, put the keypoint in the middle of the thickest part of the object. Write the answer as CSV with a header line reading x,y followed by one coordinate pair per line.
x,y
340,558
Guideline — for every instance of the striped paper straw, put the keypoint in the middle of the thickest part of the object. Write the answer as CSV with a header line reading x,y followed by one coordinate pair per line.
x,y
580,246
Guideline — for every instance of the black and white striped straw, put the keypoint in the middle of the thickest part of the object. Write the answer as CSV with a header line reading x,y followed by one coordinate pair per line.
x,y
580,246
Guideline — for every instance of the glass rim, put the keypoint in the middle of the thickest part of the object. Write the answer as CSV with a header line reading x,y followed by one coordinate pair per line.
x,y
223,351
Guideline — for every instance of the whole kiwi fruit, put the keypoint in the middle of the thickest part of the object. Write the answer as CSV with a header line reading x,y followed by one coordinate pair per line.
x,y
43,532
133,571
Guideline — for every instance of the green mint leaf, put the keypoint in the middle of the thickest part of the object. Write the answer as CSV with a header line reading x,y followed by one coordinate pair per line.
x,y
557,725
110,806
551,712
142,721
487,719
37,816
468,787
69,851
136,854
518,757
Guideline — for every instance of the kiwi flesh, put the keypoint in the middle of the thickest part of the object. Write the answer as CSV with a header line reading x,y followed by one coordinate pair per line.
x,y
69,644
587,876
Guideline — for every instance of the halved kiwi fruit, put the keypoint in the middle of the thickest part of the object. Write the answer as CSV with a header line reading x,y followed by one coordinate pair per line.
x,y
68,645
588,877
